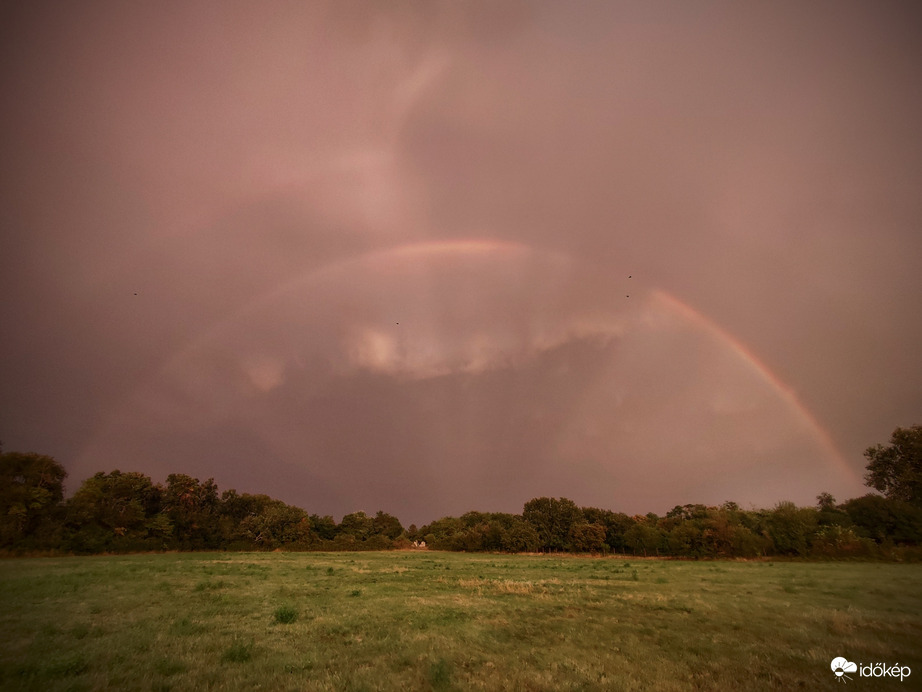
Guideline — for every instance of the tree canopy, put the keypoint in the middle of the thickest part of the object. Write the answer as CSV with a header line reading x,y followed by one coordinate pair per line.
x,y
31,491
896,470
127,511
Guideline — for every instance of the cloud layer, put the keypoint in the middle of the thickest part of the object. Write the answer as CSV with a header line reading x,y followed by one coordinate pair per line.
x,y
215,216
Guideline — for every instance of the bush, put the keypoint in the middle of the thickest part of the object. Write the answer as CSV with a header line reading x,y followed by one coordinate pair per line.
x,y
285,615
238,653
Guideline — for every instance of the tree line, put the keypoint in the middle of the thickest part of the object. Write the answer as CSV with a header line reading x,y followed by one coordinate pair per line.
x,y
127,512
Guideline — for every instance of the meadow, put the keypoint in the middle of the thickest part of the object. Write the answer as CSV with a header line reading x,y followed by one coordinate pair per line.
x,y
449,621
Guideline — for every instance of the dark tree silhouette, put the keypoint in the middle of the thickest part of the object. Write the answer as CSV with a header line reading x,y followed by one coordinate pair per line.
x,y
896,470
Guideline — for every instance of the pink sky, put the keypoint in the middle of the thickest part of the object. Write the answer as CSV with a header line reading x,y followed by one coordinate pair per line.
x,y
215,214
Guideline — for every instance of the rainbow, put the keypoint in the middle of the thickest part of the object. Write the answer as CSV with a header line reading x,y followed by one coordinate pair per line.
x,y
470,247
473,247
753,362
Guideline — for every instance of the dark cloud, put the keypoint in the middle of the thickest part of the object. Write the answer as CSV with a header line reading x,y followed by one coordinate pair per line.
x,y
215,216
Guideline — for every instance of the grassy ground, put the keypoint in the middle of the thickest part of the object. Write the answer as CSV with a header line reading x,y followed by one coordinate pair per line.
x,y
444,621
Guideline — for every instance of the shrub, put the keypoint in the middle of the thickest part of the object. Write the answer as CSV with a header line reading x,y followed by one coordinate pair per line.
x,y
238,653
285,615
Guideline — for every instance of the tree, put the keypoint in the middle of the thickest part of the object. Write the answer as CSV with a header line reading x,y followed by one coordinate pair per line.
x,y
31,492
830,514
520,536
274,523
883,519
896,470
440,533
193,507
587,538
616,525
687,512
387,525
358,525
552,519
643,537
685,539
115,511
323,526
791,528
825,502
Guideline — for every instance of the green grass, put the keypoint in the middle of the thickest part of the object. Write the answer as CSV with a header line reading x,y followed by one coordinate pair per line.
x,y
447,621
285,615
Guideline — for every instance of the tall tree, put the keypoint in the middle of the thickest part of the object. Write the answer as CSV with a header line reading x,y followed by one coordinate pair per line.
x,y
587,538
791,528
883,519
276,524
643,537
387,525
193,507
552,519
31,492
323,526
115,511
358,525
896,470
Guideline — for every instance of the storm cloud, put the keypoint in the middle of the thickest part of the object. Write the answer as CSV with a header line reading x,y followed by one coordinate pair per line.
x,y
431,257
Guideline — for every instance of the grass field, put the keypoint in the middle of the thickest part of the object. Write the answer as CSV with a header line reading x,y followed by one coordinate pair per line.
x,y
448,621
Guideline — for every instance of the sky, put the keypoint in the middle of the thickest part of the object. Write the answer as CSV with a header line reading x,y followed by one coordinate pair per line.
x,y
433,257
